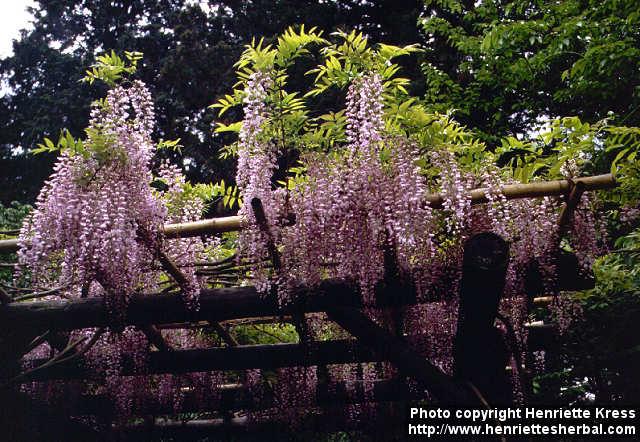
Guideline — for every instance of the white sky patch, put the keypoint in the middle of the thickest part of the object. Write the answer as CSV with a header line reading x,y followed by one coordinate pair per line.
x,y
13,18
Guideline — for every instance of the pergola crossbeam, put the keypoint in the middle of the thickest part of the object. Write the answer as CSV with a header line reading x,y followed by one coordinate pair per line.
x,y
267,357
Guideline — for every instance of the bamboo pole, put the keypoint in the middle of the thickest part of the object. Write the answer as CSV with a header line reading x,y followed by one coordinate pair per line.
x,y
535,190
205,227
183,230
477,196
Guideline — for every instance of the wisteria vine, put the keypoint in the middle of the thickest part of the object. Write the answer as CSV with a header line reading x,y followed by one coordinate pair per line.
x,y
361,215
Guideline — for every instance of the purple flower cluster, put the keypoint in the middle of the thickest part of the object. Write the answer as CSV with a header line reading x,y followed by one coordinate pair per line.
x,y
364,114
357,205
354,206
587,236
257,160
453,188
183,207
96,219
105,360
295,391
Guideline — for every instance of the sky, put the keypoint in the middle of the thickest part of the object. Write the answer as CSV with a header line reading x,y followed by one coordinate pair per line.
x,y
13,18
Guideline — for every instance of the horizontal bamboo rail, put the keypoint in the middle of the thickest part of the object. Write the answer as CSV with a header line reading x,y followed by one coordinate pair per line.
x,y
205,227
183,230
477,196
535,189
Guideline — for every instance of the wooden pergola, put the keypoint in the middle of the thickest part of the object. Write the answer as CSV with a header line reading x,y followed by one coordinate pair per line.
x,y
484,267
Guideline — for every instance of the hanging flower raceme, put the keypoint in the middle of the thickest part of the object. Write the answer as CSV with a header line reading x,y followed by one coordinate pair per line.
x,y
354,208
183,207
339,216
257,160
97,222
364,114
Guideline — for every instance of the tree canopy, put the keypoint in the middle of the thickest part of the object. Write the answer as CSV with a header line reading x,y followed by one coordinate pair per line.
x,y
503,65
190,48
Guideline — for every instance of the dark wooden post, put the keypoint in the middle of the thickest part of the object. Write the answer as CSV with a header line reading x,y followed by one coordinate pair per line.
x,y
480,354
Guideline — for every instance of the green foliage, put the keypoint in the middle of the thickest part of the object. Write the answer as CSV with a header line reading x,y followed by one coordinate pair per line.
x,y
65,142
99,144
210,193
290,45
611,315
352,55
228,194
293,125
173,145
110,68
564,140
502,65
265,333
11,218
590,148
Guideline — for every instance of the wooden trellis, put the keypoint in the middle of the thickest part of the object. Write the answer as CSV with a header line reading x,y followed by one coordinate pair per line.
x,y
21,322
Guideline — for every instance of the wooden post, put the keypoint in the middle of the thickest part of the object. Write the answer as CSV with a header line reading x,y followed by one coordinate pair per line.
x,y
480,354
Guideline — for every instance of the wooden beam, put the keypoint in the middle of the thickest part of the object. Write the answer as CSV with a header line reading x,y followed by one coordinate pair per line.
x,y
9,245
243,357
4,297
223,304
172,269
238,397
224,334
375,345
393,349
155,337
157,309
